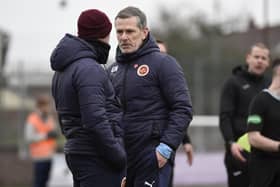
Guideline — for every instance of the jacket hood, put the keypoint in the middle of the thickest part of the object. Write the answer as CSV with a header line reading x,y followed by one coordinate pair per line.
x,y
69,49
242,70
149,45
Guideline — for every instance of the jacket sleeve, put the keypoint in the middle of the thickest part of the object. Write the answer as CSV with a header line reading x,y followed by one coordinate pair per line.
x,y
175,91
30,134
186,139
257,108
227,108
90,83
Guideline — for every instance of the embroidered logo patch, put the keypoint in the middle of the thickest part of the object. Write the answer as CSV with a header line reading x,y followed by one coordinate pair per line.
x,y
245,86
114,69
143,70
254,119
149,184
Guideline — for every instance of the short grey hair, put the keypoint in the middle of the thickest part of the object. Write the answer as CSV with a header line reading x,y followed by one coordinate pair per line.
x,y
131,11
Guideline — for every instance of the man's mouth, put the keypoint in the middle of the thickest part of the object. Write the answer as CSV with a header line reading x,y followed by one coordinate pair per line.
x,y
125,45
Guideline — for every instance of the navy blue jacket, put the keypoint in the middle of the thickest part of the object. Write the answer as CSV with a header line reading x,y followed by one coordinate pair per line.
x,y
85,102
153,93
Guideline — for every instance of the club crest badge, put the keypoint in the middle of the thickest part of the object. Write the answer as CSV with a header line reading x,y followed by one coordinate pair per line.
x,y
143,70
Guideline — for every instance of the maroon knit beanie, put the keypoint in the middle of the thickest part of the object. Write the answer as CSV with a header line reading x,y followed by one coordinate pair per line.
x,y
93,24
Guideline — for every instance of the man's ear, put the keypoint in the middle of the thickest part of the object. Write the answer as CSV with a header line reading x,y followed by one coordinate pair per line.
x,y
247,58
145,33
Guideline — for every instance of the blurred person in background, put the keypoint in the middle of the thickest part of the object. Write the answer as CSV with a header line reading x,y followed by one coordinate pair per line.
x,y
187,146
155,99
264,134
238,90
41,134
89,115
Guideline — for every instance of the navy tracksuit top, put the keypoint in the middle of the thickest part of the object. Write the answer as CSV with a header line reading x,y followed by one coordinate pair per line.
x,y
154,96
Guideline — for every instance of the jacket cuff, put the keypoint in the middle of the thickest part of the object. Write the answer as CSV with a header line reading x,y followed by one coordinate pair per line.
x,y
186,139
164,150
229,143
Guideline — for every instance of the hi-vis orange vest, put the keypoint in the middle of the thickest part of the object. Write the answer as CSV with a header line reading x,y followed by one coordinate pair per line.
x,y
44,148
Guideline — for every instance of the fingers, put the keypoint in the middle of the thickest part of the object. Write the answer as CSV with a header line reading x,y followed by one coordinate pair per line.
x,y
239,156
161,160
190,157
123,182
189,152
236,152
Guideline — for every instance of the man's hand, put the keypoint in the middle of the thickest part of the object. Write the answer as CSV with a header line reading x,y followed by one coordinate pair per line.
x,y
236,152
161,160
123,182
189,153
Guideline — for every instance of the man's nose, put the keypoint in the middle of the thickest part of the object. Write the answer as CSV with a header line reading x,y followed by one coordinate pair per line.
x,y
123,35
261,61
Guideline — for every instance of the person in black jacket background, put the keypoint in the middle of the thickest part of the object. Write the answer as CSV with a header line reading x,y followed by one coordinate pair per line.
x,y
155,99
238,90
88,112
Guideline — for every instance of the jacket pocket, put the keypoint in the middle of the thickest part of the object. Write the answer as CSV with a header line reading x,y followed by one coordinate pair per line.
x,y
158,127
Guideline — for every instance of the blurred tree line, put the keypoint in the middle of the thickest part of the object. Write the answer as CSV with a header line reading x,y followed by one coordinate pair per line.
x,y
198,46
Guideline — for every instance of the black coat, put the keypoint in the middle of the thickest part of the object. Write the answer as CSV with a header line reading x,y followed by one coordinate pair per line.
x,y
154,95
237,93
85,102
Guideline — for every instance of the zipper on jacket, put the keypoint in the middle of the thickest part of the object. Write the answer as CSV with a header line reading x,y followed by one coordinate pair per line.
x,y
123,99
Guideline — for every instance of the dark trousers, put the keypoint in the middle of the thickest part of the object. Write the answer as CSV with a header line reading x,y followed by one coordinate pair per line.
x,y
145,172
88,171
264,172
41,174
170,184
166,175
141,139
237,171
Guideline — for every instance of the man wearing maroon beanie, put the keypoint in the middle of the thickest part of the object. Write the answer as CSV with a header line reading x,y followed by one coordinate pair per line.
x,y
88,113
